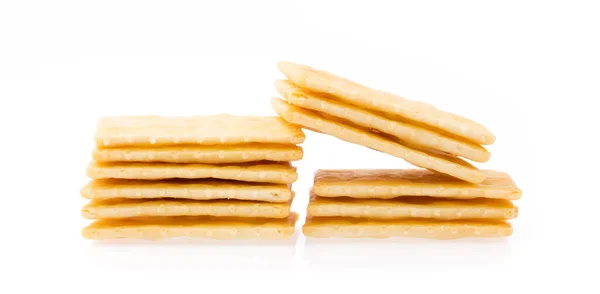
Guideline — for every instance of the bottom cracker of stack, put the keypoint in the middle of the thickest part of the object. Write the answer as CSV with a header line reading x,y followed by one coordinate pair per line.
x,y
366,203
156,228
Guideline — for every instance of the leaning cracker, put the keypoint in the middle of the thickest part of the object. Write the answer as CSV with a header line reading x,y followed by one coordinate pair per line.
x,y
186,189
444,164
202,130
412,207
354,93
386,184
201,154
280,173
402,130
157,228
410,228
125,208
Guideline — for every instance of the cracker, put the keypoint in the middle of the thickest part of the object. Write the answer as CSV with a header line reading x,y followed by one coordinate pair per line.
x,y
157,228
125,208
362,96
201,154
186,189
403,130
427,159
202,130
412,207
386,184
410,228
280,173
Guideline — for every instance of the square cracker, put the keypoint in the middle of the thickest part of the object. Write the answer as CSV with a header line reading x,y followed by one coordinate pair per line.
x,y
408,132
410,228
186,189
157,228
201,154
386,184
279,173
412,207
426,159
362,96
126,208
202,130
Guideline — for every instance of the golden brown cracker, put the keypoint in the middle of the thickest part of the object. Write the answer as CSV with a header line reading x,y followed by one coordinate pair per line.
x,y
186,189
362,96
412,207
225,129
279,173
431,160
126,208
157,228
216,154
409,228
385,184
403,130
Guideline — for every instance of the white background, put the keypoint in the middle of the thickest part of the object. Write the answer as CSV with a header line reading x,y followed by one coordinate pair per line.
x,y
528,70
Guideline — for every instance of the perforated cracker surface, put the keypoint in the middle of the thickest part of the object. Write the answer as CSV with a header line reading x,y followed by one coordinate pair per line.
x,y
202,130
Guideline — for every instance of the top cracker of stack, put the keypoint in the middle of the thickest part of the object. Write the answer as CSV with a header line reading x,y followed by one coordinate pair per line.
x,y
219,176
416,132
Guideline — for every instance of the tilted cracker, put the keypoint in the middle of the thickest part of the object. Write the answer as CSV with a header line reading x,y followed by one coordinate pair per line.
x,y
354,93
412,207
186,189
157,228
125,208
403,130
386,184
201,154
280,173
316,121
224,129
410,228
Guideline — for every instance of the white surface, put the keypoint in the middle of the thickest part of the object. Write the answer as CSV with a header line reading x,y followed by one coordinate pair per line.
x,y
524,69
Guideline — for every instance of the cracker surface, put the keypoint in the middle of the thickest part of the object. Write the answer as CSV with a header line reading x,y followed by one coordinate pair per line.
x,y
391,183
126,208
157,228
214,154
280,173
186,189
412,207
223,129
411,228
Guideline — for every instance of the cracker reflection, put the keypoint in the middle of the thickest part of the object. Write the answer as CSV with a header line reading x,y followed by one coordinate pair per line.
x,y
185,254
398,252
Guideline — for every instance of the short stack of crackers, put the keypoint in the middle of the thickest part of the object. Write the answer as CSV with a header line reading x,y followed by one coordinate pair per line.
x,y
448,197
409,203
219,176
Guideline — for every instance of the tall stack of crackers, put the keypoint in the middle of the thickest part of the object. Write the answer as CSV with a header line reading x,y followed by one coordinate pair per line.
x,y
445,197
219,176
